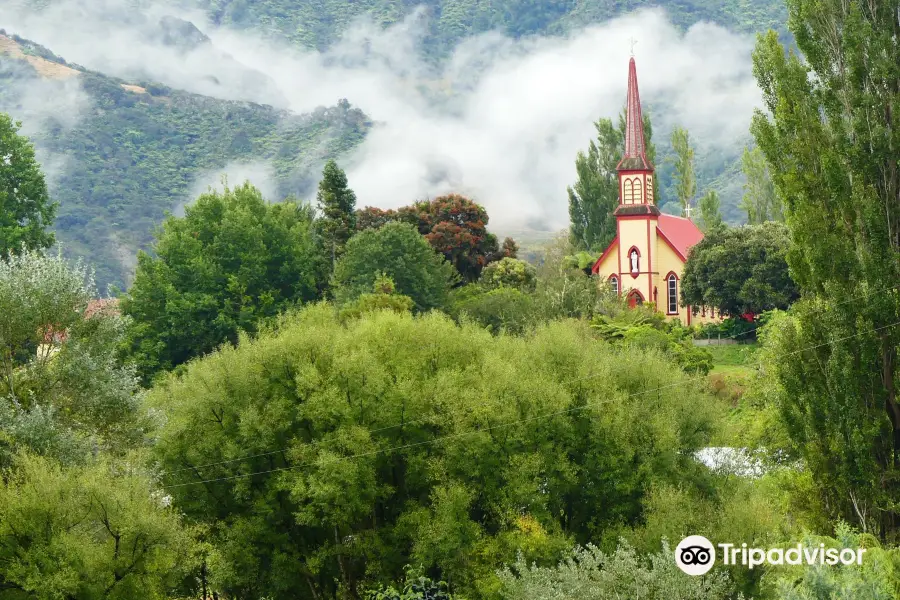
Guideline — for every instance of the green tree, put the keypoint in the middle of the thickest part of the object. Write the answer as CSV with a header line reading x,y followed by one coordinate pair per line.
x,y
510,272
830,136
338,205
685,179
232,260
595,195
740,270
454,225
710,211
85,533
590,574
400,252
62,391
348,450
25,207
760,201
384,296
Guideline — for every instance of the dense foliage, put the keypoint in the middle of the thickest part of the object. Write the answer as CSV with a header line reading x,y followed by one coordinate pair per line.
x,y
346,451
398,251
454,225
25,207
830,138
740,270
337,202
63,394
320,25
232,260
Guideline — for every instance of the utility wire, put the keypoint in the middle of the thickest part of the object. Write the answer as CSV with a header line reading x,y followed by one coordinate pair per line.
x,y
416,421
506,424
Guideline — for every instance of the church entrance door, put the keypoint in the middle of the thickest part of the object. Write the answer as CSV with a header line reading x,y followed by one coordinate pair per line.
x,y
635,298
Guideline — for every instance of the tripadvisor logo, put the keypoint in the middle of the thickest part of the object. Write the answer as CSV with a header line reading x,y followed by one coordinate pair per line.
x,y
696,555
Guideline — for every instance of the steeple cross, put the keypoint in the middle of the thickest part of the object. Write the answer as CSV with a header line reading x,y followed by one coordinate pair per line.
x,y
688,210
633,42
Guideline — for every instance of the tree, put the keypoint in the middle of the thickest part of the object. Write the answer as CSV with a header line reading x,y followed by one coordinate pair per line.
x,y
510,272
348,450
830,137
384,296
63,392
400,252
595,195
454,225
740,270
590,574
25,207
232,260
685,180
760,201
710,211
337,203
85,533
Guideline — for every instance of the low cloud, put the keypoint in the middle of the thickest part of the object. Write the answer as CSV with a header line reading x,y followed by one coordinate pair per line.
x,y
500,120
259,173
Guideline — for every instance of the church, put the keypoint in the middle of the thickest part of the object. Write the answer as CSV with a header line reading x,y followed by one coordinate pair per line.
x,y
646,259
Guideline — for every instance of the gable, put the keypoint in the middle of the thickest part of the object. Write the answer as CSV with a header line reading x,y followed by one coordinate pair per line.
x,y
609,260
679,233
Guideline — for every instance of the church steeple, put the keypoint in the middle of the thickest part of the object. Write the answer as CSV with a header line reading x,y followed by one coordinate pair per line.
x,y
635,169
635,148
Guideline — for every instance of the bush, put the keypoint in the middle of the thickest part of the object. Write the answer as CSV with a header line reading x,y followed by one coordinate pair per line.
x,y
501,309
509,272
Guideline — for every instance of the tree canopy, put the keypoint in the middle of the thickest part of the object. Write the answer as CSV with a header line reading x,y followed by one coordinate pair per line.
x,y
740,270
25,207
232,260
338,205
400,252
454,225
830,137
347,451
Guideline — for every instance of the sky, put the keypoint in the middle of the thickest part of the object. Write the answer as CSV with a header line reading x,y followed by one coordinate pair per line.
x,y
507,133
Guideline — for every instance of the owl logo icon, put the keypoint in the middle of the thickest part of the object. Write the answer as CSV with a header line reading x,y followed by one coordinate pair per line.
x,y
695,555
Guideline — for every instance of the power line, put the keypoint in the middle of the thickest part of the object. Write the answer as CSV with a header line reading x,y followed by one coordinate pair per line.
x,y
420,420
506,424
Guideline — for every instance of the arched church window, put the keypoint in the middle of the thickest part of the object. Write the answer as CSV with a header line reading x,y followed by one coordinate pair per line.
x,y
627,191
672,293
614,284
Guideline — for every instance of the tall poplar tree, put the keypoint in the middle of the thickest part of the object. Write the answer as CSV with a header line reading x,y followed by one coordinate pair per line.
x,y
338,205
685,179
594,197
760,201
831,137
710,211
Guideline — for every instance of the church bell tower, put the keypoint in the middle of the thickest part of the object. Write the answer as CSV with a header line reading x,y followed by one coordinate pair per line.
x,y
635,171
637,214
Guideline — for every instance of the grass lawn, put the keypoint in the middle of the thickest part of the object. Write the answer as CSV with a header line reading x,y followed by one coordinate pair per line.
x,y
734,359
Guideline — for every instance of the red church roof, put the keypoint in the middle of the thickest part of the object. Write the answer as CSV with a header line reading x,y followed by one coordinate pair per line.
x,y
681,233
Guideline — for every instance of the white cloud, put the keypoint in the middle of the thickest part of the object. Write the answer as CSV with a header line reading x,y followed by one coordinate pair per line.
x,y
515,116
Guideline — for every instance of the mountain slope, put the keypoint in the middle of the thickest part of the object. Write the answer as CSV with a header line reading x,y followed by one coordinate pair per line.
x,y
121,154
319,23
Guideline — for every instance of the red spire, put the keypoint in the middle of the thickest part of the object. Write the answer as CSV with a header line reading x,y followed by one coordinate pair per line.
x,y
635,157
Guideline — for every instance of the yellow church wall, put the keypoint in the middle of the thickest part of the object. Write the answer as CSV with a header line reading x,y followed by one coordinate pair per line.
x,y
633,233
610,262
669,261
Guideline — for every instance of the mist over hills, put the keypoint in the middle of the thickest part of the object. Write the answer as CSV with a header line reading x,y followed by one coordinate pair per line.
x,y
490,99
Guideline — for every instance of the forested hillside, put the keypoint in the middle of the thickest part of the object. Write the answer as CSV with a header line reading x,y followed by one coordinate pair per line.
x,y
133,151
319,24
